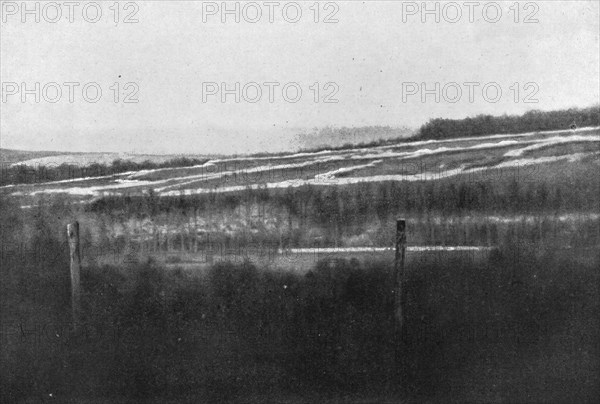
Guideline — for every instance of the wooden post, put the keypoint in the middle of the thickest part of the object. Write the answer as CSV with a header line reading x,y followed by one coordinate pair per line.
x,y
399,302
75,255
399,274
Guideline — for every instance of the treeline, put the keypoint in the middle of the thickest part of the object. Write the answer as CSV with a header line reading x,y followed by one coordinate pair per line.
x,y
26,174
316,204
312,216
529,122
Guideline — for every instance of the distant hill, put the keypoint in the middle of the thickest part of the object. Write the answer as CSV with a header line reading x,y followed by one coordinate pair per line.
x,y
51,158
337,137
9,156
328,137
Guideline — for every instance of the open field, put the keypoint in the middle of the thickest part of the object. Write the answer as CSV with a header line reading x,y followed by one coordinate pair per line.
x,y
465,191
522,323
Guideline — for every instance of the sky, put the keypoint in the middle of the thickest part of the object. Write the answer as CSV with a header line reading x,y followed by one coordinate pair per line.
x,y
167,71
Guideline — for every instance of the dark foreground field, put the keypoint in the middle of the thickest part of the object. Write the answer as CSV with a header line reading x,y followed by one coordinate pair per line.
x,y
523,327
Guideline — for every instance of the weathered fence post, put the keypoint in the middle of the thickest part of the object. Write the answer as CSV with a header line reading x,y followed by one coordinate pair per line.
x,y
399,299
75,255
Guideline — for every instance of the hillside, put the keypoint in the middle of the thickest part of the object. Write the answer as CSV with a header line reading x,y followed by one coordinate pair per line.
x,y
10,156
530,155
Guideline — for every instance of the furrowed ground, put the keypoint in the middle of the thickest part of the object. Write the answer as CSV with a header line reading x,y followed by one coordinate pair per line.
x,y
486,157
